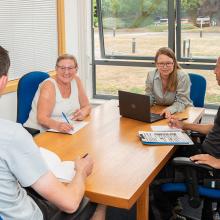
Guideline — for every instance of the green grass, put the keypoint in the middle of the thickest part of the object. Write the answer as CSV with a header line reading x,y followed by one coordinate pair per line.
x,y
157,28
213,99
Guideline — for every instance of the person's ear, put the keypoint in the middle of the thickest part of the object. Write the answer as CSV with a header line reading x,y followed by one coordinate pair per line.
x,y
3,82
218,62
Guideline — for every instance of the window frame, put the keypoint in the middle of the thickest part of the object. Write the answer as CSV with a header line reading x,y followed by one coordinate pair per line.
x,y
174,42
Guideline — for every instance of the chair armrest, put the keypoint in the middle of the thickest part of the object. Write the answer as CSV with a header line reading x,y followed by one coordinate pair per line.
x,y
197,134
197,137
185,161
32,131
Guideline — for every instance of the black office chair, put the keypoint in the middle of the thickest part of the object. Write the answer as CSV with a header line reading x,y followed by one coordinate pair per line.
x,y
190,185
27,87
198,183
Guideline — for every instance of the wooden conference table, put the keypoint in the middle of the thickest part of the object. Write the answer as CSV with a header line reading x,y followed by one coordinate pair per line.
x,y
124,167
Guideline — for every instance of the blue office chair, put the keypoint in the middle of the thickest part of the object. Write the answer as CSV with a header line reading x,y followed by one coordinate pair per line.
x,y
27,87
198,89
197,95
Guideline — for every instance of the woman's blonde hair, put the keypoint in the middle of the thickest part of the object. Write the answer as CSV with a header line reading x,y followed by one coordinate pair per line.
x,y
67,57
172,80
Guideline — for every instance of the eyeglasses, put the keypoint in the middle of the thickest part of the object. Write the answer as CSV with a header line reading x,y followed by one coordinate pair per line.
x,y
69,68
169,64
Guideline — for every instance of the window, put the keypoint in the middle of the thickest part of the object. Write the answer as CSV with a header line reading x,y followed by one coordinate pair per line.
x,y
127,35
198,30
29,32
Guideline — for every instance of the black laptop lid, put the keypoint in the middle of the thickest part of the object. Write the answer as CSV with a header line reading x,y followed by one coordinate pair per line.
x,y
135,106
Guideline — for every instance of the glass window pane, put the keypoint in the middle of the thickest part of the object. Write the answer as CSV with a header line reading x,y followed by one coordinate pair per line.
x,y
109,79
134,28
200,29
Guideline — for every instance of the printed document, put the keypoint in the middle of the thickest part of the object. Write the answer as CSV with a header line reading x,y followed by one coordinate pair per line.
x,y
165,138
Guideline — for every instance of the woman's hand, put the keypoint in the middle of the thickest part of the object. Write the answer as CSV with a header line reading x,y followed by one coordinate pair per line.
x,y
64,127
78,115
166,113
206,159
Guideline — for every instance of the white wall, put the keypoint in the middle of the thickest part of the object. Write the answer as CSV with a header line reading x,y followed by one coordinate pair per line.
x,y
78,37
78,42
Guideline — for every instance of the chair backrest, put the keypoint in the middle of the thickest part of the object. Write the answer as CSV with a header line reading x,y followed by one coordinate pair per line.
x,y
27,87
198,89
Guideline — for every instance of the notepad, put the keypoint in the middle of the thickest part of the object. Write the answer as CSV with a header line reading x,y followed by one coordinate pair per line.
x,y
63,170
77,125
165,138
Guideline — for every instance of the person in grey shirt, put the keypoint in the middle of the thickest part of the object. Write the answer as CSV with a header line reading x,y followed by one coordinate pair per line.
x,y
21,165
168,84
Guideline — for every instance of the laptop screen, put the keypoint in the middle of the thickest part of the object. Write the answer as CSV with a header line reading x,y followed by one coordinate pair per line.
x,y
135,106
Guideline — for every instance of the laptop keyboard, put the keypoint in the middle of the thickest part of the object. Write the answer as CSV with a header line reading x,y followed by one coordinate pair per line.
x,y
153,115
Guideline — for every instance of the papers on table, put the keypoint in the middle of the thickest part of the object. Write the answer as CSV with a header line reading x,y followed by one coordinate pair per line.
x,y
77,125
165,138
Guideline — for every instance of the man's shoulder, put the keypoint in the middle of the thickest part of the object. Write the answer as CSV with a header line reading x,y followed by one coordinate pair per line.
x,y
10,127
9,123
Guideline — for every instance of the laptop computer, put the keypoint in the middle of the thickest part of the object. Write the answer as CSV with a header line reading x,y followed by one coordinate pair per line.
x,y
136,106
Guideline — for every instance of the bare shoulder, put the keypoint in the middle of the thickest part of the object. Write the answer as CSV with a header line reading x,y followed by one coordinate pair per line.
x,y
78,80
48,87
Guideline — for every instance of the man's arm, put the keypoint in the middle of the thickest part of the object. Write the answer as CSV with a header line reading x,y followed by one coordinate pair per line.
x,y
201,128
65,197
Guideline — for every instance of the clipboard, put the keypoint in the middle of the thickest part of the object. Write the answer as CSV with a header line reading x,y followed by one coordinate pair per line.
x,y
164,138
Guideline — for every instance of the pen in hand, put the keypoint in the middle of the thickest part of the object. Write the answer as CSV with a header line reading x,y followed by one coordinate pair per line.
x,y
85,155
183,119
64,116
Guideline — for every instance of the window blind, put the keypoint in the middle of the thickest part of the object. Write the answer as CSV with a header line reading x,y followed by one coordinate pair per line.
x,y
29,33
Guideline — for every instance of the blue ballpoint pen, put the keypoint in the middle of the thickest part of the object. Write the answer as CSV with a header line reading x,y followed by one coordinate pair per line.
x,y
63,114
